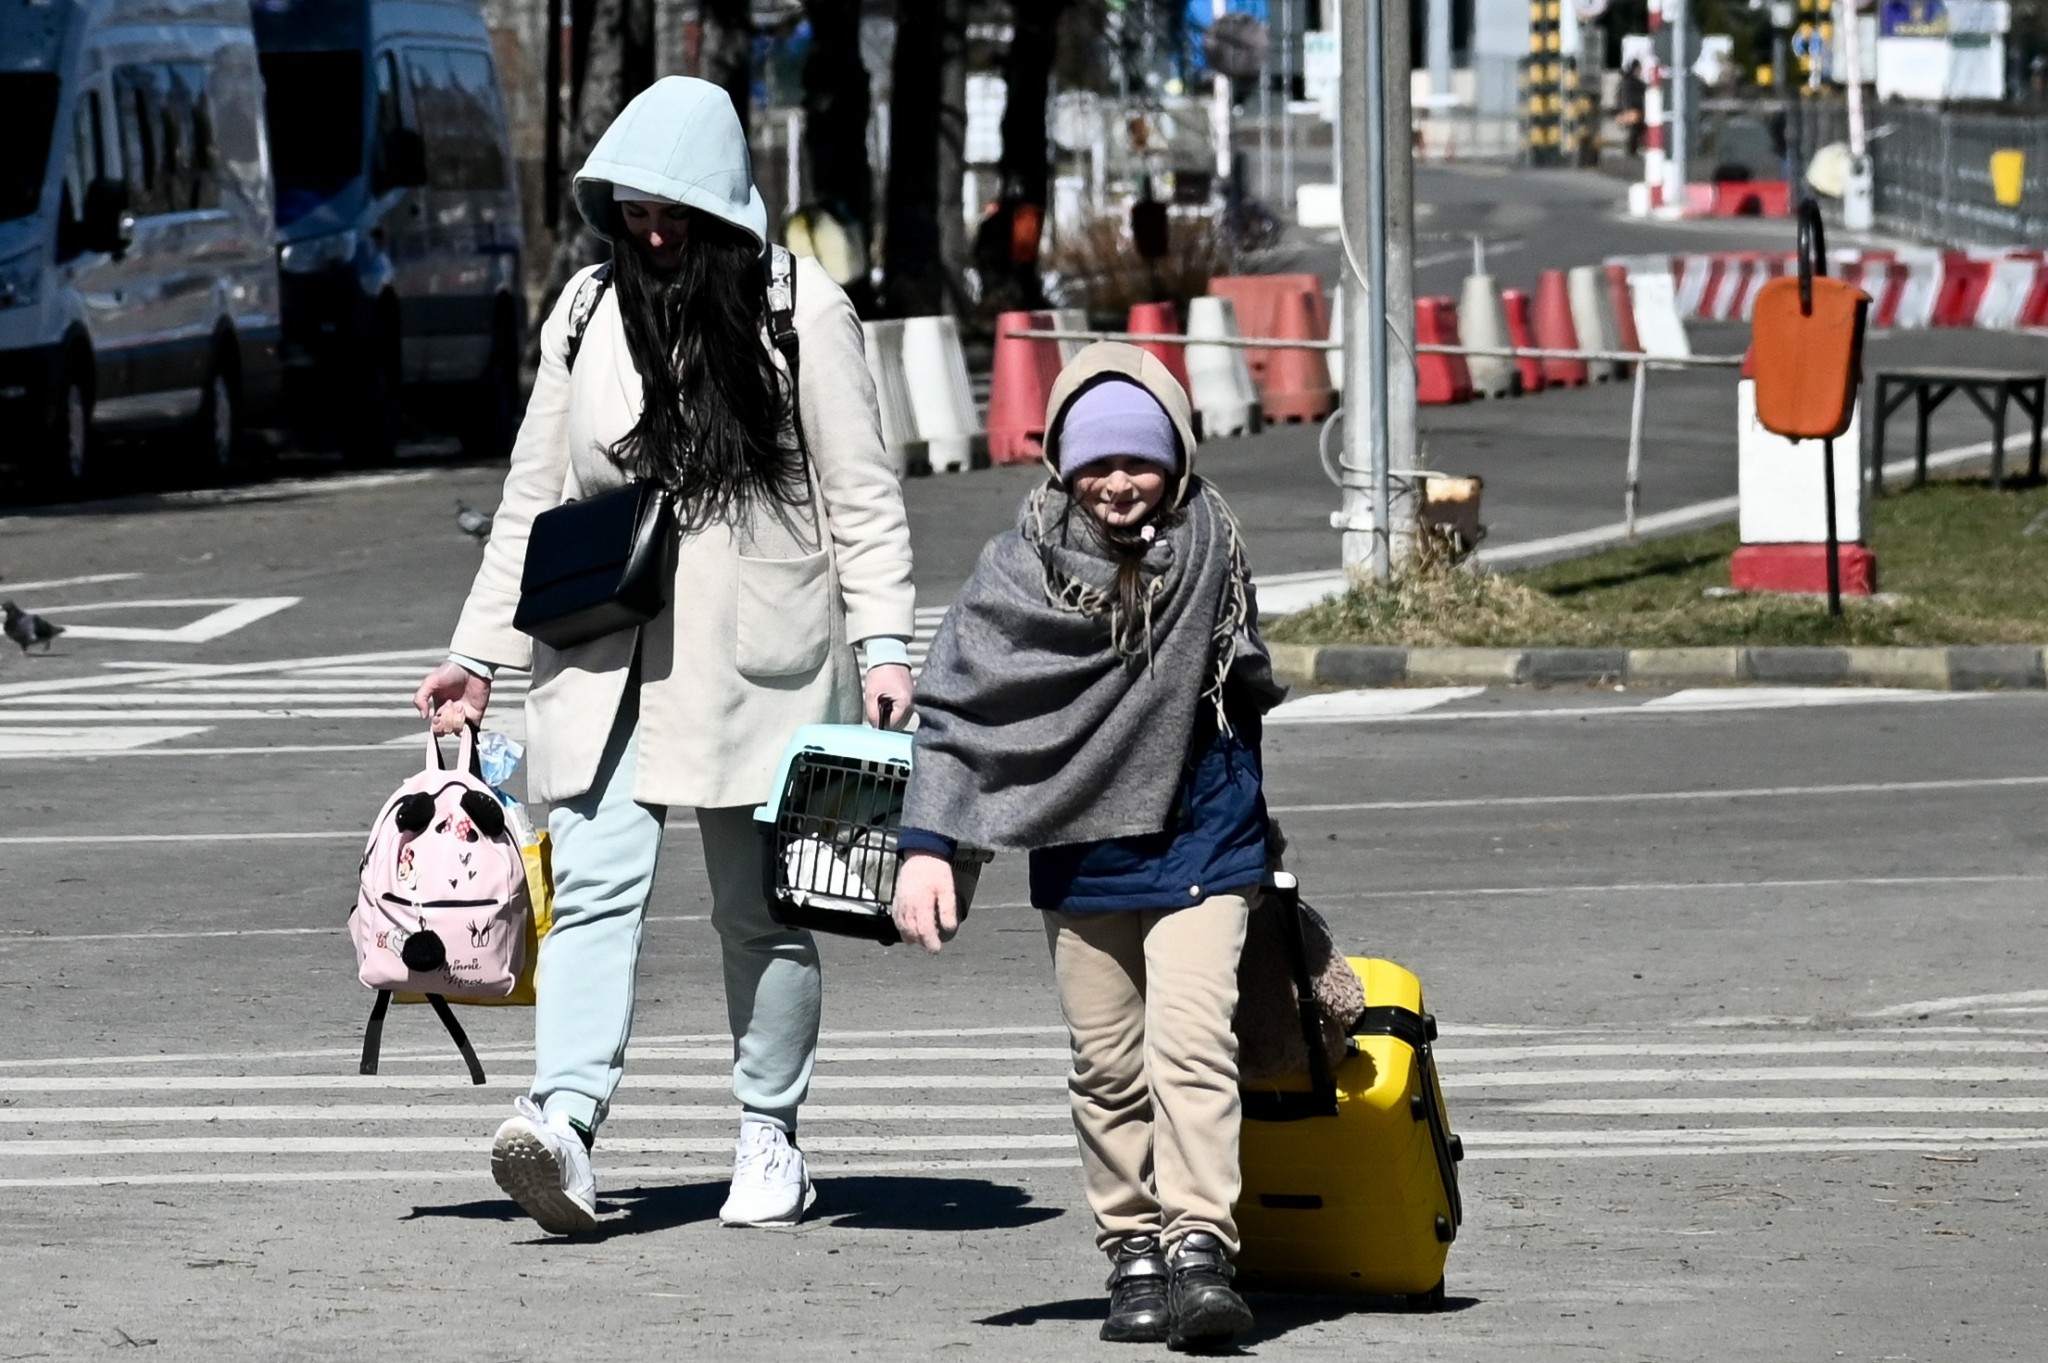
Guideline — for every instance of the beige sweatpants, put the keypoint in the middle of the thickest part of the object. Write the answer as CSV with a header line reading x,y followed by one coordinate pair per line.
x,y
1148,997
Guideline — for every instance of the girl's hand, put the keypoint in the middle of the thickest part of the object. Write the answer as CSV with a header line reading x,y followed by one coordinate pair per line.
x,y
890,681
452,696
925,910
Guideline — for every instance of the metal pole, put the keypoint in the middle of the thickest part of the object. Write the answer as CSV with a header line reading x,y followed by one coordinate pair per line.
x,y
1679,144
1827,482
1857,204
1632,493
1397,222
1439,55
1362,463
1287,107
1219,114
1376,135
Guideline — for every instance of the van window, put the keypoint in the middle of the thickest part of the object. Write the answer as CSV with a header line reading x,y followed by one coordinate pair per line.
x,y
313,102
28,112
455,96
390,112
167,140
86,162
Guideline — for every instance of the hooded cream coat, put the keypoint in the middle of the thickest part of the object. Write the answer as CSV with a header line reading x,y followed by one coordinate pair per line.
x,y
757,637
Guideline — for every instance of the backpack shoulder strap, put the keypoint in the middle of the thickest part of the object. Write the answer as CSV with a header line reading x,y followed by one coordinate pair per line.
x,y
588,295
782,301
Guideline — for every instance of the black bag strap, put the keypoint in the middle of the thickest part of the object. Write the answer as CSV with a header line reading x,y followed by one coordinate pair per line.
x,y
373,1034
782,303
447,1016
588,295
1813,253
1321,1098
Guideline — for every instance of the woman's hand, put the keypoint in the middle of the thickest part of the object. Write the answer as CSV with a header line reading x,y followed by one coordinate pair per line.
x,y
925,910
890,681
452,696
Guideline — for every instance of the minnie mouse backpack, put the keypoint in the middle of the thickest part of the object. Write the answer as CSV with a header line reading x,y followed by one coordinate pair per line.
x,y
443,901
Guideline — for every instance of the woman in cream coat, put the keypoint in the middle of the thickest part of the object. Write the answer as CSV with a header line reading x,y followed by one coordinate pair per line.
x,y
768,622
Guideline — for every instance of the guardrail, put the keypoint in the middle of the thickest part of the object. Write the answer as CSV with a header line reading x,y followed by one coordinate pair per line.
x,y
1642,361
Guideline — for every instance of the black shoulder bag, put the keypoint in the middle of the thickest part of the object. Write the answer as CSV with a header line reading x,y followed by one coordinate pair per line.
x,y
605,563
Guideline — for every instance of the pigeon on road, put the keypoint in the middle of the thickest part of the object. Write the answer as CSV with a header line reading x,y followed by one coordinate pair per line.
x,y
471,522
26,627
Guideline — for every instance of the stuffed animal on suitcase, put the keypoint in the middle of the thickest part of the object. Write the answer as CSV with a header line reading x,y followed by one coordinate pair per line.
x,y
1350,1169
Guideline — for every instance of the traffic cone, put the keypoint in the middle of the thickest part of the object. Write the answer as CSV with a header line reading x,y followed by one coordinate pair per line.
x,y
1483,322
1297,381
1555,331
934,376
1439,379
1161,319
1020,383
1522,336
1588,293
1219,379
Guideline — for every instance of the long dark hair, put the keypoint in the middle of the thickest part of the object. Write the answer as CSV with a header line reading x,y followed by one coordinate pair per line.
x,y
715,410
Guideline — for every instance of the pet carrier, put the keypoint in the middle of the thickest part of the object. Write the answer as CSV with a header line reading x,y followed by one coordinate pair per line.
x,y
831,832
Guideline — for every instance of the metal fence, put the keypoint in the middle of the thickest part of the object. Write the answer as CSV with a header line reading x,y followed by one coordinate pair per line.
x,y
1933,170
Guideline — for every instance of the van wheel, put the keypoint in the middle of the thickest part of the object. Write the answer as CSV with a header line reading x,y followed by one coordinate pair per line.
x,y
217,433
372,422
70,463
492,420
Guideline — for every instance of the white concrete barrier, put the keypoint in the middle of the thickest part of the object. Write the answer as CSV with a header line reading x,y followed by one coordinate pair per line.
x,y
1658,326
1693,278
2006,294
934,372
892,395
1317,205
1593,317
1923,286
1220,376
1483,325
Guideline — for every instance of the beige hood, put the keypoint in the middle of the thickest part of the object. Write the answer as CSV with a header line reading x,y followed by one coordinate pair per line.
x,y
1114,359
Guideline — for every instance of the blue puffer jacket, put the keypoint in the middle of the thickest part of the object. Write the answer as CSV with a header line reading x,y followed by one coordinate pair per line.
x,y
1214,842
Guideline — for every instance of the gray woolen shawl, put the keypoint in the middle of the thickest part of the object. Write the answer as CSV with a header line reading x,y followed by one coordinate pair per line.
x,y
1035,728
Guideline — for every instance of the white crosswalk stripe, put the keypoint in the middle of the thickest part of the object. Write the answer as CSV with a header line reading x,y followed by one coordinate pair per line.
x,y
992,1099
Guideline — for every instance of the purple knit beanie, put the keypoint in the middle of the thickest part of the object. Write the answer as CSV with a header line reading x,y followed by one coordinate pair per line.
x,y
1118,417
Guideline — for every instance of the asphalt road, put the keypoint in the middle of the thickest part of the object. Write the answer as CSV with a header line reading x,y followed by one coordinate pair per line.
x,y
1742,1002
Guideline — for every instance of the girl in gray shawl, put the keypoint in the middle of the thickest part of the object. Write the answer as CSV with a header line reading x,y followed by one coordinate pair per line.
x,y
1094,697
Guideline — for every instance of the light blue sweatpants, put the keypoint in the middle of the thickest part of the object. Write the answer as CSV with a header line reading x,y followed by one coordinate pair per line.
x,y
606,845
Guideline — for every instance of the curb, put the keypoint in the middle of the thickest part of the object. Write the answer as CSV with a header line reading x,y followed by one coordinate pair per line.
x,y
1995,667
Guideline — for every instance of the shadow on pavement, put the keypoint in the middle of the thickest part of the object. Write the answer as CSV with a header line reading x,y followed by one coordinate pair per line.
x,y
878,1202
858,1203
1275,1315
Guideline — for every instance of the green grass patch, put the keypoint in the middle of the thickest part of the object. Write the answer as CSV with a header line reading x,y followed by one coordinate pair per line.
x,y
1955,566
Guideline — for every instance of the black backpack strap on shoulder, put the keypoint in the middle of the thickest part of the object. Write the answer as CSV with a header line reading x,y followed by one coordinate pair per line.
x,y
588,295
447,1016
373,1032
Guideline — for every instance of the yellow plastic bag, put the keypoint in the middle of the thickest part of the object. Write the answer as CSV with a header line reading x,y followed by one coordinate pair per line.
x,y
540,891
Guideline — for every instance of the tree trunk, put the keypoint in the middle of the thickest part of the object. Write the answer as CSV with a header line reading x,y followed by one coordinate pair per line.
x,y
916,273
725,54
836,106
611,59
953,150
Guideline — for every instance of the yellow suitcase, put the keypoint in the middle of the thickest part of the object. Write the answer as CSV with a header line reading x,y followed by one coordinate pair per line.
x,y
1351,1176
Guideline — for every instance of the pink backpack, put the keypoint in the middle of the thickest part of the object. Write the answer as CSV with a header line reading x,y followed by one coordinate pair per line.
x,y
443,902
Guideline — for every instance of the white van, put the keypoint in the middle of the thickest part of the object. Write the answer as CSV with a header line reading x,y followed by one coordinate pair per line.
x,y
138,269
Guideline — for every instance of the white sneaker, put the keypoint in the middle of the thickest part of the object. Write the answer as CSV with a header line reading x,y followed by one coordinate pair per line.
x,y
770,1184
540,1162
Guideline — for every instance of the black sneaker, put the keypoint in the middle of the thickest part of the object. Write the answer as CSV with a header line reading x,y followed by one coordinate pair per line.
x,y
1137,1293
1204,1313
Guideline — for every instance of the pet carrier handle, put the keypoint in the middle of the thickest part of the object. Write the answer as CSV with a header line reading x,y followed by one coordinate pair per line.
x,y
1287,890
1813,253
887,706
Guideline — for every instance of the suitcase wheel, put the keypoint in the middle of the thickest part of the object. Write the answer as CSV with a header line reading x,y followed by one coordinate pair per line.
x,y
1432,1300
1457,1147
